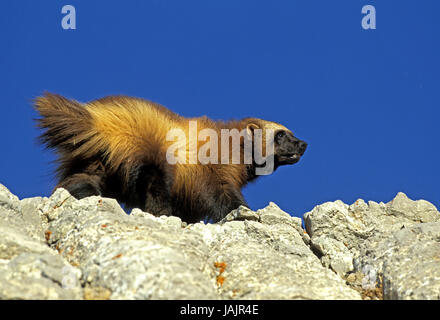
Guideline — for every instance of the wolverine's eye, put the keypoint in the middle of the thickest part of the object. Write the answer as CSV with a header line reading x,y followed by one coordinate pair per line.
x,y
281,134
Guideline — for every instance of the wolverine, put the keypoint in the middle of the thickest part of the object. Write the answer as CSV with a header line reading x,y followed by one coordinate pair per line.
x,y
119,147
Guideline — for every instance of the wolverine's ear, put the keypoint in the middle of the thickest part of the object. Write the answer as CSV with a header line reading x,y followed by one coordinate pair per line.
x,y
250,129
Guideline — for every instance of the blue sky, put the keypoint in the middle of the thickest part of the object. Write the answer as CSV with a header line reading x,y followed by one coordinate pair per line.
x,y
366,101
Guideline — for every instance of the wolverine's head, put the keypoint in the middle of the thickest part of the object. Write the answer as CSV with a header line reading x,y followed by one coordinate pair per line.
x,y
287,149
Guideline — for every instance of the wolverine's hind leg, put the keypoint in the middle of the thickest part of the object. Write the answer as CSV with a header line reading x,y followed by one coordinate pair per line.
x,y
82,185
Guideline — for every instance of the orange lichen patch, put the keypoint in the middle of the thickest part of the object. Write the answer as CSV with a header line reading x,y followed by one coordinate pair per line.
x,y
375,293
136,228
117,256
220,280
372,294
221,266
57,247
354,280
47,234
104,225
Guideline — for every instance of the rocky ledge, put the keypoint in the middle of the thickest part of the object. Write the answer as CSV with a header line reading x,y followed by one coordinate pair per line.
x,y
63,248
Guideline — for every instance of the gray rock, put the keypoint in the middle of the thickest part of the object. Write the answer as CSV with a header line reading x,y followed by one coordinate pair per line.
x,y
140,256
10,208
22,214
63,248
39,276
363,238
29,269
335,254
408,261
135,256
241,213
18,228
35,225
9,203
406,209
257,261
13,241
269,215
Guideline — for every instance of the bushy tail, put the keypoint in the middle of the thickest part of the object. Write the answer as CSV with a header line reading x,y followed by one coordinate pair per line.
x,y
66,123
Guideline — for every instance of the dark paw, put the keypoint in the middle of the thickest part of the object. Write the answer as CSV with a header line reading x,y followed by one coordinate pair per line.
x,y
82,190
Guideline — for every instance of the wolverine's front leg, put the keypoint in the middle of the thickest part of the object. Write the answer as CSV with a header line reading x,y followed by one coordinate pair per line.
x,y
223,201
149,189
82,185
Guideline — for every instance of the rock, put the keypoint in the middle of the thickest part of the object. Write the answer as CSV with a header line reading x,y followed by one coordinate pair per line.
x,y
140,256
64,248
34,223
21,214
16,229
29,269
13,241
270,215
10,208
409,262
255,261
418,211
364,238
39,276
334,254
133,257
241,213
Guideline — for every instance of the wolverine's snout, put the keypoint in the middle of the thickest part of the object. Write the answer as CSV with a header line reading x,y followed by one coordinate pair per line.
x,y
301,146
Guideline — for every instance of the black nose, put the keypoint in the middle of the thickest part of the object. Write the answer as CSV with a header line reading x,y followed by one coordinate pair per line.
x,y
302,147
